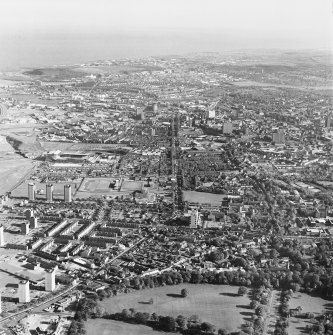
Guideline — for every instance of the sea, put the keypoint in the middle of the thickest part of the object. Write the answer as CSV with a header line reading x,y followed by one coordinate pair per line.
x,y
41,50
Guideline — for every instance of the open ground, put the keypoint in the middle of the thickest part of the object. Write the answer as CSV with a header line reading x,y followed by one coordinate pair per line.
x,y
13,167
219,305
110,327
100,187
203,197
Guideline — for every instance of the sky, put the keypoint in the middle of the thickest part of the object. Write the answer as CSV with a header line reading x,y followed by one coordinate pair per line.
x,y
184,25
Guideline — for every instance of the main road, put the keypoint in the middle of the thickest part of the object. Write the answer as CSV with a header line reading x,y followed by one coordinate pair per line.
x,y
41,305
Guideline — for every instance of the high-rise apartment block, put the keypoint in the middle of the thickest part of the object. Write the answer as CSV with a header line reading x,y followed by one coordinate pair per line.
x,y
25,228
49,192
278,137
68,193
31,191
2,236
24,291
33,222
50,280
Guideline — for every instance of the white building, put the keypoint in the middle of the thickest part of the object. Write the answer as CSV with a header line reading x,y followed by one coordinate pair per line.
x,y
25,228
195,219
33,222
49,192
2,237
31,191
24,291
50,280
210,114
68,193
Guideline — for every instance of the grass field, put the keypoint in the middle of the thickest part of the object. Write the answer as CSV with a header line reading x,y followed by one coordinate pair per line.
x,y
219,305
110,327
203,197
309,304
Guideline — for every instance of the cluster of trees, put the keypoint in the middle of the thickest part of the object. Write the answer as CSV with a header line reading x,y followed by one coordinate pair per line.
x,y
191,326
322,324
64,279
284,305
77,328
86,308
242,290
302,275
282,323
259,297
311,278
255,326
281,327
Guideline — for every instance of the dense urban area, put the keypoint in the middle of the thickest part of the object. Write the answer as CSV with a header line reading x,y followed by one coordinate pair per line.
x,y
170,194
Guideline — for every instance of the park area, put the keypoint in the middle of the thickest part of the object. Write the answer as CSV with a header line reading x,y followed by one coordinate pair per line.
x,y
111,327
309,304
218,305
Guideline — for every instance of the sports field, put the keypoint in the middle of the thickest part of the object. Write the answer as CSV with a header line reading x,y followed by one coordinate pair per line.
x,y
131,186
98,185
219,305
203,197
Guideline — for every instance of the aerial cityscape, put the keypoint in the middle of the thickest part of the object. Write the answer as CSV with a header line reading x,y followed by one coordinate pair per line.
x,y
187,193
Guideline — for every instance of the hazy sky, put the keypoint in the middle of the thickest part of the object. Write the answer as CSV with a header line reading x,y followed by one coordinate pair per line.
x,y
173,24
248,16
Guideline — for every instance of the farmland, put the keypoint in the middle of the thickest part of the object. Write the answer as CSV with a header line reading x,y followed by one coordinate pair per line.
x,y
219,305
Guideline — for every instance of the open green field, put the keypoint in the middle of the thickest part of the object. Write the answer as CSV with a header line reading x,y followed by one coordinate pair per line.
x,y
219,305
203,197
111,327
309,304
